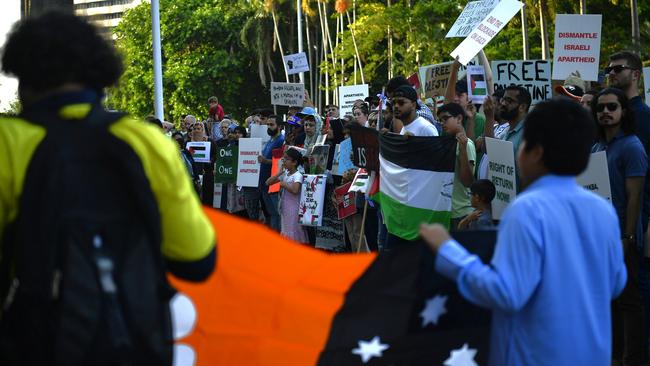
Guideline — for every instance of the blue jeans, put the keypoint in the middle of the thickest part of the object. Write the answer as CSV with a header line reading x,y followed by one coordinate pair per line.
x,y
271,201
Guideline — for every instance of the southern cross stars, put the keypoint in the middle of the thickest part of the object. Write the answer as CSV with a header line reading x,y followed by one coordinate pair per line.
x,y
433,309
462,357
368,350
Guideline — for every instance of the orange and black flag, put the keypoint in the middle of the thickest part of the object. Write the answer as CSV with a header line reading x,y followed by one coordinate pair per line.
x,y
271,301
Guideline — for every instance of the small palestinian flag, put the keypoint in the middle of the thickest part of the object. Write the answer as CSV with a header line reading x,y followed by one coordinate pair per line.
x,y
274,302
416,182
200,151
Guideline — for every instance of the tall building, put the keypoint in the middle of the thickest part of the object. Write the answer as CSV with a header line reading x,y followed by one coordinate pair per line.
x,y
36,7
105,14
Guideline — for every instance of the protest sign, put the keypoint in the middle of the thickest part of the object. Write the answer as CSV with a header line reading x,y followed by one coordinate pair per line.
x,y
534,75
259,131
312,199
225,169
361,181
350,94
296,63
646,84
436,77
347,205
596,177
216,200
317,159
365,147
200,151
335,159
577,46
476,85
248,172
486,30
289,94
414,80
472,14
345,158
501,171
276,166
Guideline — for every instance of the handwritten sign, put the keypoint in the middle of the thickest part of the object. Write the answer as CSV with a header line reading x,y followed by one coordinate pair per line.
x,y
472,14
248,173
596,177
534,75
200,151
486,30
436,77
476,85
577,46
350,94
225,168
312,199
365,147
289,94
296,63
501,171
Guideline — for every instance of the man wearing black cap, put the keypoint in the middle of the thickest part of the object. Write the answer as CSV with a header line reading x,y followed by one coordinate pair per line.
x,y
405,107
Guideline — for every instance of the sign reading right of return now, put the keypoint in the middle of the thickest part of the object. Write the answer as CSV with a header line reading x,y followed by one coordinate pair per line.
x,y
502,173
577,46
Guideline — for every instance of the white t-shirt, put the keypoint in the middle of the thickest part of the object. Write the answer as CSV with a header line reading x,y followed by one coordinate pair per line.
x,y
293,178
420,127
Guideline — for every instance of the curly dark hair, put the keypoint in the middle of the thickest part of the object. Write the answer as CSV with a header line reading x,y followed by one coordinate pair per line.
x,y
55,48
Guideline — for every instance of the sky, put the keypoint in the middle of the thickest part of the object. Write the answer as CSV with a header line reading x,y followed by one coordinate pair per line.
x,y
9,14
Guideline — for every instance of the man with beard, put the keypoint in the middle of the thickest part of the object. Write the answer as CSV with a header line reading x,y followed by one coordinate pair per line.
x,y
405,107
270,200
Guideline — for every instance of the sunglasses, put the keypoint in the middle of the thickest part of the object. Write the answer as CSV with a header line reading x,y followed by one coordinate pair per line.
x,y
612,107
617,69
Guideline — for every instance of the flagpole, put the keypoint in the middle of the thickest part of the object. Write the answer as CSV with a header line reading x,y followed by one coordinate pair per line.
x,y
363,226
299,18
157,60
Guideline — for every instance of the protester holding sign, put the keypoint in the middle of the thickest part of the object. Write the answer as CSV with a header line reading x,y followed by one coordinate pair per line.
x,y
628,164
270,200
206,170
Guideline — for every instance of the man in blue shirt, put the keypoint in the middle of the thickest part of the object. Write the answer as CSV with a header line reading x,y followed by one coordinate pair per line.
x,y
270,200
558,261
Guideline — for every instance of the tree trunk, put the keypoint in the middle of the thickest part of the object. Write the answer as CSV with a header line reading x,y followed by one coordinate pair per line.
x,y
390,50
546,52
356,52
636,34
277,35
524,34
583,6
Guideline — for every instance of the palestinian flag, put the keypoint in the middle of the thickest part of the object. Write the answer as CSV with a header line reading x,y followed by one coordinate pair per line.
x,y
416,182
198,151
273,302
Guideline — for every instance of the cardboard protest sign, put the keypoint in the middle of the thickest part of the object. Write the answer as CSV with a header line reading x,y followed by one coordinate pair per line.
x,y
596,177
216,200
276,166
200,151
476,85
646,84
248,173
486,30
225,169
317,159
472,14
501,171
259,131
350,94
577,46
361,181
345,158
435,77
289,94
365,147
296,63
347,205
534,75
312,200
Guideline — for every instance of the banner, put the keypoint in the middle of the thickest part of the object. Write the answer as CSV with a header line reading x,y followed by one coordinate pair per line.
x,y
534,75
501,171
486,30
646,84
218,191
225,168
346,200
365,147
296,63
289,94
312,200
596,177
200,151
476,85
248,173
472,14
350,94
577,46
276,166
345,158
259,131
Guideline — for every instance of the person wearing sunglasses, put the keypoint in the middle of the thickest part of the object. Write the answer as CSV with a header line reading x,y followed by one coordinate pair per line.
x,y
627,164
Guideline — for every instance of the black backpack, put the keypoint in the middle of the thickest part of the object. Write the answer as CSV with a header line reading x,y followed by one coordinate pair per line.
x,y
84,278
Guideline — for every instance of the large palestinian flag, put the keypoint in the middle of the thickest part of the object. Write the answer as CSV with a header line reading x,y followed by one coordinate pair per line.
x,y
273,302
416,182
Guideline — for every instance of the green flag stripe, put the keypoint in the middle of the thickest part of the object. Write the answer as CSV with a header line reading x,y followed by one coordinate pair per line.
x,y
404,221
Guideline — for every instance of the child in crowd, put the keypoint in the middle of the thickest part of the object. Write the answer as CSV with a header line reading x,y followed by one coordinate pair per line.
x,y
290,181
483,192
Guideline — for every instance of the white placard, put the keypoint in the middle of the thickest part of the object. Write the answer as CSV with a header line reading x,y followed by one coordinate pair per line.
x,y
289,94
350,94
486,30
476,84
200,151
434,78
472,14
216,198
259,131
534,75
248,168
596,177
646,84
296,63
502,173
312,199
577,46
